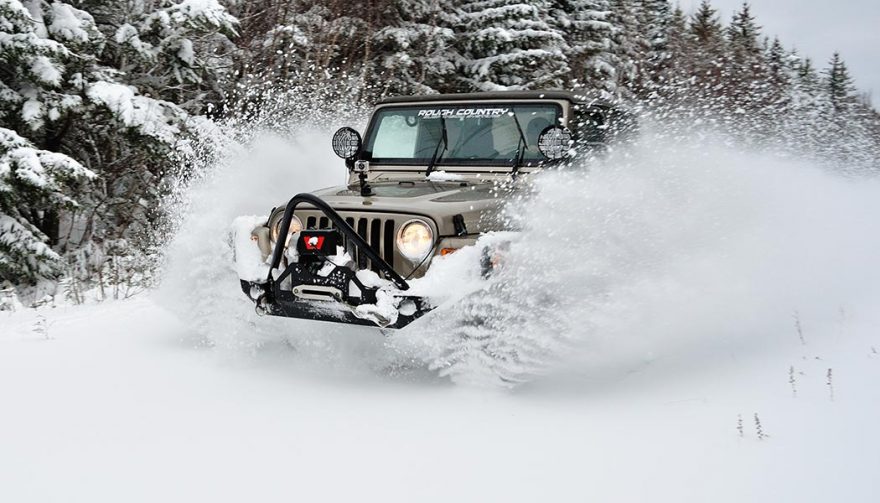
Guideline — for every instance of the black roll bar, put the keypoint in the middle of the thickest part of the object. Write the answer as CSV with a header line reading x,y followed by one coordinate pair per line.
x,y
343,227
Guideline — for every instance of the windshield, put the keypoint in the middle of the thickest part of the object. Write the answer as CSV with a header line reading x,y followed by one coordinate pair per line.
x,y
476,135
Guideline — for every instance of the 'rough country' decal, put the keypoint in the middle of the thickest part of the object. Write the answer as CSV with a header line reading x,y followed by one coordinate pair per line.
x,y
462,113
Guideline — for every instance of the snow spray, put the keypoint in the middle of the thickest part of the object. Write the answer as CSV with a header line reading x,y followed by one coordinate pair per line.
x,y
664,249
661,249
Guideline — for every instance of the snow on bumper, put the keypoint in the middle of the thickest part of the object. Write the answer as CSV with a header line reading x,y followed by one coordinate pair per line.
x,y
285,296
250,262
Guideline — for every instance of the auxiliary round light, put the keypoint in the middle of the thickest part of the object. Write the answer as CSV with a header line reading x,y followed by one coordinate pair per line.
x,y
555,142
346,143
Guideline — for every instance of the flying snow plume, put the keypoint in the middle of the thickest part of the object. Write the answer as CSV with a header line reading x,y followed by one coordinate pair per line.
x,y
686,248
245,166
660,250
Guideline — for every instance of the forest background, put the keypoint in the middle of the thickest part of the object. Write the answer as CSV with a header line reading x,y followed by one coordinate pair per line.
x,y
102,102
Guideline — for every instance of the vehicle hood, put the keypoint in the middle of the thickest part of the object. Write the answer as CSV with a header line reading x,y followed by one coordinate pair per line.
x,y
438,200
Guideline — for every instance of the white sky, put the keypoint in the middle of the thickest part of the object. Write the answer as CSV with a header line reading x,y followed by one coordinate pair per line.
x,y
816,28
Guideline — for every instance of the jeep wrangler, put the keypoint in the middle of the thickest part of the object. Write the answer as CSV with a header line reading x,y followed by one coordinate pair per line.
x,y
430,176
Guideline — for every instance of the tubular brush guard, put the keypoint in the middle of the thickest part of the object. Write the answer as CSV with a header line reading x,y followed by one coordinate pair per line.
x,y
298,292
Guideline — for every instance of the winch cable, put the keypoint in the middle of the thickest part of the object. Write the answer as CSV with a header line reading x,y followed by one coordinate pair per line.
x,y
420,264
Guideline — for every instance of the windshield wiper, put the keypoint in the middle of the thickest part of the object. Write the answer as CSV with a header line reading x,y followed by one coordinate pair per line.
x,y
520,147
443,140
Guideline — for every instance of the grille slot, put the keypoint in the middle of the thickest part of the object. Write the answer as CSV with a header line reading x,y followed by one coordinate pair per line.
x,y
362,232
375,238
388,240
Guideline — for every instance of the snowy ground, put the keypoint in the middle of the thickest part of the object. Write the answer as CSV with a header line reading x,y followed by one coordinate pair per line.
x,y
116,402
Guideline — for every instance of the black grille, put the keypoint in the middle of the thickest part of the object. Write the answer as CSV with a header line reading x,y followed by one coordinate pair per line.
x,y
377,231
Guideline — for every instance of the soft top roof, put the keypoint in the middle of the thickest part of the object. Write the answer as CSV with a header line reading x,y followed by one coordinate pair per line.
x,y
492,95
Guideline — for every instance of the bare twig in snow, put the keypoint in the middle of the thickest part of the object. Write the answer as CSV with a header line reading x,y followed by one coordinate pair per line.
x,y
759,430
830,383
797,326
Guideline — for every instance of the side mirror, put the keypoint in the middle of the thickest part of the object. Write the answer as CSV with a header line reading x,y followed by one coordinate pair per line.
x,y
555,142
346,143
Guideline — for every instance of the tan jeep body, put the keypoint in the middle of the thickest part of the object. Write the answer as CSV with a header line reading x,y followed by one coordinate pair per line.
x,y
459,201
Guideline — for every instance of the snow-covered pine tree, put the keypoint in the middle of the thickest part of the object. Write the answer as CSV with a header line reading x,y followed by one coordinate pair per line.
x,y
653,19
317,48
744,62
839,85
673,75
177,51
743,34
707,49
34,183
639,43
807,81
777,61
62,91
415,50
509,44
587,30
800,123
780,74
626,46
848,130
747,91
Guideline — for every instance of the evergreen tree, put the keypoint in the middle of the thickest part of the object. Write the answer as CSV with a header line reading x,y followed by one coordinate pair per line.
x,y
743,35
654,20
627,45
303,43
674,73
64,90
586,28
654,17
776,60
415,53
839,85
34,183
172,50
509,44
706,30
707,47
745,81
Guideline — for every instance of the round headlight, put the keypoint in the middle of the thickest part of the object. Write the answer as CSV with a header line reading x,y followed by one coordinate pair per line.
x,y
295,226
415,240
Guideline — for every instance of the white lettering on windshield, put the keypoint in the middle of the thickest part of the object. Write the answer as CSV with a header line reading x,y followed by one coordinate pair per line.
x,y
462,113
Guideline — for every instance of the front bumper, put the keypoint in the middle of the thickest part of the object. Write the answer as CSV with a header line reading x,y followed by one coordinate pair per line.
x,y
315,286
287,304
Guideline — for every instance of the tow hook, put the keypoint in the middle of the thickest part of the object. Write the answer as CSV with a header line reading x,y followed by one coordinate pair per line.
x,y
260,305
